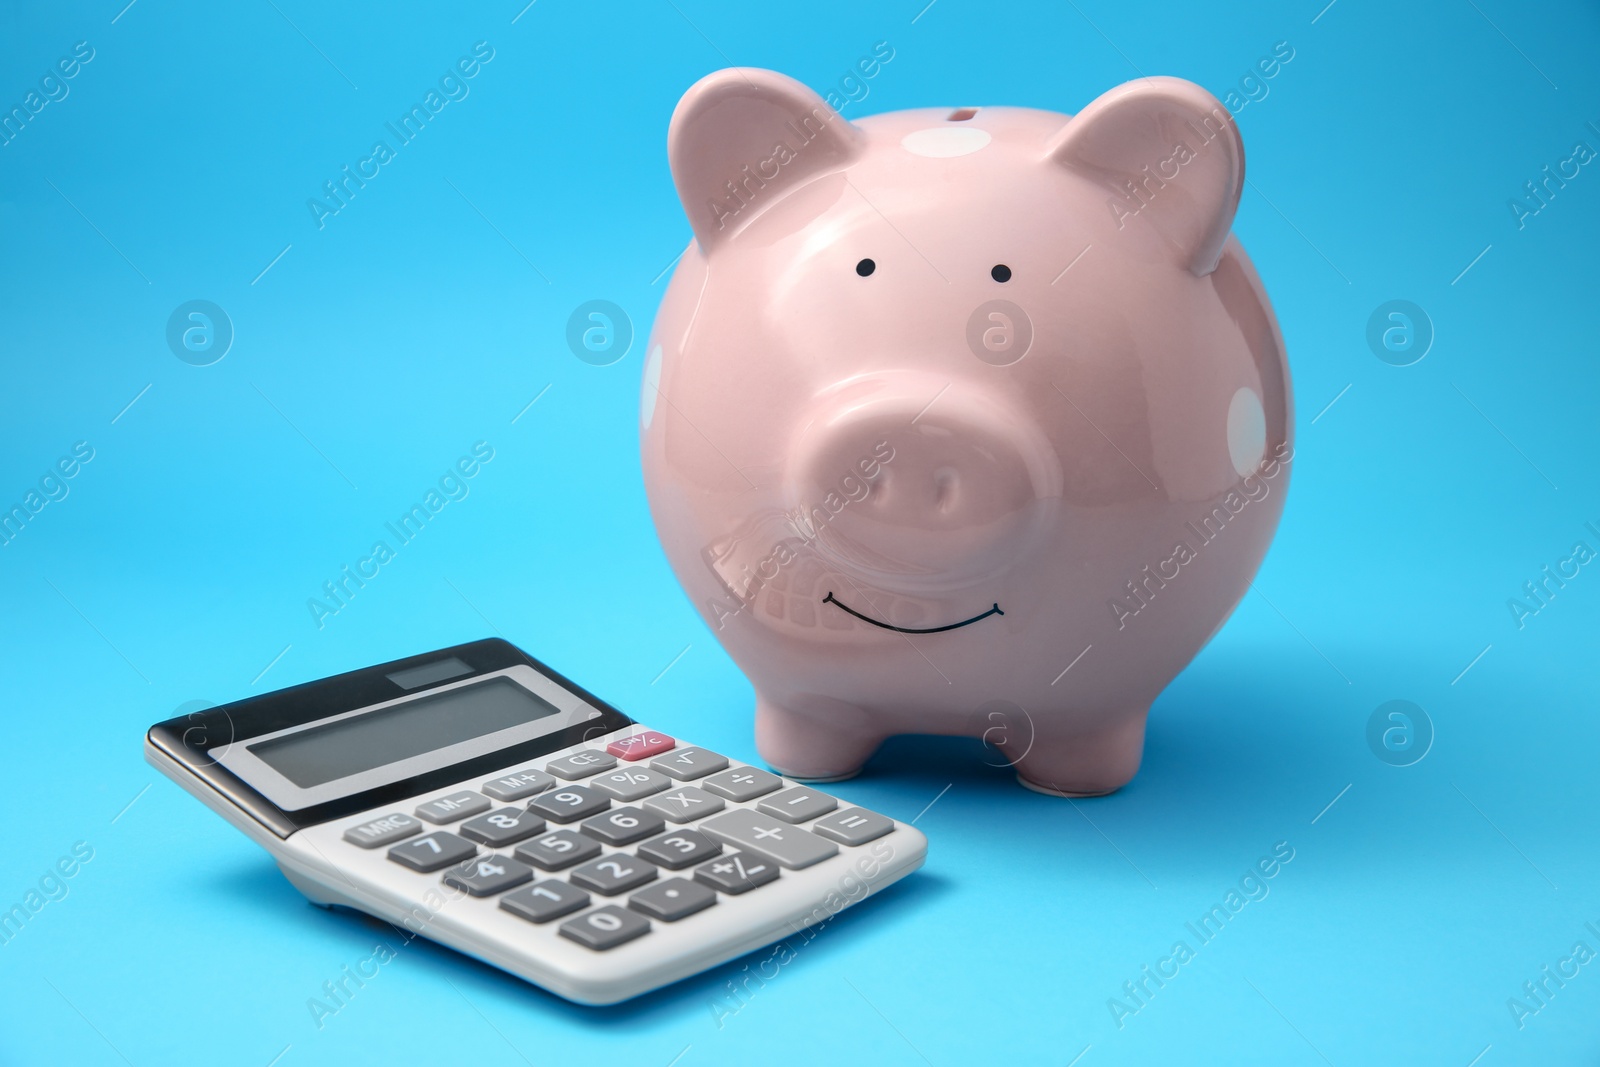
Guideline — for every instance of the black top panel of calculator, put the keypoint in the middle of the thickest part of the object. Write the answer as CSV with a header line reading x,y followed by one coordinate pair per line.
x,y
191,739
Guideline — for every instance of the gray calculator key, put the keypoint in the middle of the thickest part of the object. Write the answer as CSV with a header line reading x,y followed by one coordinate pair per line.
x,y
519,784
623,826
685,803
853,826
752,831
673,899
742,783
605,927
559,850
384,831
448,809
628,784
686,764
798,804
432,851
737,872
613,874
569,803
501,828
546,900
677,849
488,875
581,764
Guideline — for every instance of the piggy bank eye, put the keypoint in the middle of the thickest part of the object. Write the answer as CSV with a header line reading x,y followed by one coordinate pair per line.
x,y
1000,272
866,267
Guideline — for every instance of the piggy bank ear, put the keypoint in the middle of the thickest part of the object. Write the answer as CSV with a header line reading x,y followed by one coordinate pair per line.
x,y
742,138
1169,155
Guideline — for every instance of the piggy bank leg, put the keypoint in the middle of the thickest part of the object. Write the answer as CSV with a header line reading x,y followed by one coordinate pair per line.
x,y
1067,760
815,739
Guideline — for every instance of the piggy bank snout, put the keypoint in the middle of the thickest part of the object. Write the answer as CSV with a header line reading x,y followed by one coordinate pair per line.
x,y
916,495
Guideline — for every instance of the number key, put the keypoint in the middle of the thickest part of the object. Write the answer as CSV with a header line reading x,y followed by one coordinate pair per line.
x,y
613,874
605,928
569,803
622,826
488,875
432,851
546,900
559,850
677,849
504,827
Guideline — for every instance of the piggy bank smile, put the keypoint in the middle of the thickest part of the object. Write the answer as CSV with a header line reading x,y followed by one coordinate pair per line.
x,y
958,406
842,606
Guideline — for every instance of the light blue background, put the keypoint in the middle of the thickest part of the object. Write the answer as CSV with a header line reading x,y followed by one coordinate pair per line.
x,y
375,351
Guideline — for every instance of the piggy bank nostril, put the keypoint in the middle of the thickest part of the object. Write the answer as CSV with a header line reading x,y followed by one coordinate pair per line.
x,y
944,489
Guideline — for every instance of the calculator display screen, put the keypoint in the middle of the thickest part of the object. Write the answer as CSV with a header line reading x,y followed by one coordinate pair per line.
x,y
336,750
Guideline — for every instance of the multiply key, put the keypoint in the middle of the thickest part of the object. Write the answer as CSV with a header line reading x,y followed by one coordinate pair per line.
x,y
685,804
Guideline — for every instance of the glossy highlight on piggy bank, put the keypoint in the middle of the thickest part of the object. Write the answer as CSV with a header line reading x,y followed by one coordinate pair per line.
x,y
964,420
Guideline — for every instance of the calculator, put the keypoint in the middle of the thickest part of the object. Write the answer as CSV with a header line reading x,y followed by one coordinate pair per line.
x,y
477,798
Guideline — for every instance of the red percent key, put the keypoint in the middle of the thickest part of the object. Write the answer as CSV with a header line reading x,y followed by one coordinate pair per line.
x,y
639,746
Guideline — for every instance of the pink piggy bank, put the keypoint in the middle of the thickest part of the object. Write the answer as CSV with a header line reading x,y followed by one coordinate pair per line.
x,y
968,421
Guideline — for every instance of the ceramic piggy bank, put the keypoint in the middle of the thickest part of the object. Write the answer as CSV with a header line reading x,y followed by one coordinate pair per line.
x,y
969,420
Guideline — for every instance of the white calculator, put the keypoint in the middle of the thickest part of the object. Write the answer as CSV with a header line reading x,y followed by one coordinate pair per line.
x,y
478,798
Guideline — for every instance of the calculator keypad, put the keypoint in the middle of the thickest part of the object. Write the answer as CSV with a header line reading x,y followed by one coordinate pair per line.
x,y
501,828
448,809
622,850
558,851
488,875
569,803
613,874
623,826
432,851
